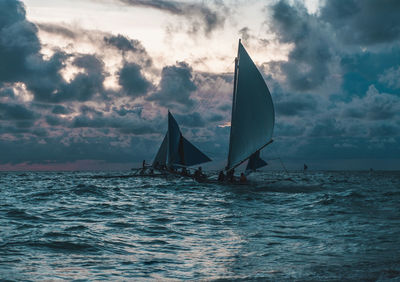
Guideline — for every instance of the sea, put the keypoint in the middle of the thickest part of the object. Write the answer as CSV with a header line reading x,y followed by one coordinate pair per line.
x,y
296,226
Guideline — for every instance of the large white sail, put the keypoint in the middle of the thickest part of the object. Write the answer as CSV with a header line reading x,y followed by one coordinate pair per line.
x,y
253,114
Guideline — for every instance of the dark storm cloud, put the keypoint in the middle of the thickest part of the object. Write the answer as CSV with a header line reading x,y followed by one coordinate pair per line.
x,y
85,85
60,110
54,120
90,110
22,62
57,29
129,47
190,120
201,17
365,22
127,125
92,148
123,111
176,86
373,106
51,87
215,118
18,41
308,63
124,44
383,130
292,105
15,112
132,80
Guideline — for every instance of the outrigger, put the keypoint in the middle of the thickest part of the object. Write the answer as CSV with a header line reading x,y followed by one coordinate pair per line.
x,y
175,155
252,124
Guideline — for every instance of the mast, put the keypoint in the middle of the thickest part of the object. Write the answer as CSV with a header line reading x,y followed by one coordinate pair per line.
x,y
233,105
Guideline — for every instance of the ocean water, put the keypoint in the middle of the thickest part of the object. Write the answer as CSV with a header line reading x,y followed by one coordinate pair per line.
x,y
290,226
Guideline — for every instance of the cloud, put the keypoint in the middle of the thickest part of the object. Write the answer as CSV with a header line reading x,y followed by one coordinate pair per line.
x,y
132,49
308,63
7,92
60,110
124,44
190,120
132,80
291,105
22,62
391,77
57,29
15,112
176,87
201,17
373,106
126,125
366,22
18,41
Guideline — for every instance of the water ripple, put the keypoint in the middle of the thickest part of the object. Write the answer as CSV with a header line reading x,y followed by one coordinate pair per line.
x,y
314,226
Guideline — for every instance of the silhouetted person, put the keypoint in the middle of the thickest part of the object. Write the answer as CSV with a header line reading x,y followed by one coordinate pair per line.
x,y
198,174
184,171
144,164
221,176
243,178
305,167
230,175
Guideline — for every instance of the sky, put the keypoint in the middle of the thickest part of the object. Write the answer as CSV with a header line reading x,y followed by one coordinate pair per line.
x,y
86,85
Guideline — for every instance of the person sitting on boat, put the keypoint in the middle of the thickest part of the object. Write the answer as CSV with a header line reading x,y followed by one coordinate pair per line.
x,y
144,164
221,176
184,171
243,178
230,175
198,174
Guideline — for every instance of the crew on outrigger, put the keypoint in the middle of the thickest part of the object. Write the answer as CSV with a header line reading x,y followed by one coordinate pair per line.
x,y
198,174
230,175
143,170
221,176
184,172
243,178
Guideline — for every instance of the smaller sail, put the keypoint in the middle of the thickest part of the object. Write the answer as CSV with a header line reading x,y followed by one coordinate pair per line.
x,y
176,150
192,155
255,162
174,136
161,157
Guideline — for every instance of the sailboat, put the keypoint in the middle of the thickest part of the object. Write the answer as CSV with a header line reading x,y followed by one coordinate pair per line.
x,y
253,115
176,151
252,124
